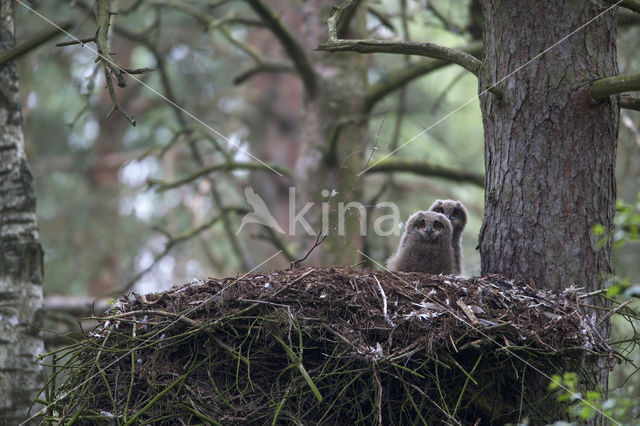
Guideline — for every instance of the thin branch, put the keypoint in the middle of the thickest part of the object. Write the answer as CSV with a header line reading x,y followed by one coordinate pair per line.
x,y
429,50
273,67
448,25
35,41
205,171
629,102
426,169
289,43
608,86
402,76
81,41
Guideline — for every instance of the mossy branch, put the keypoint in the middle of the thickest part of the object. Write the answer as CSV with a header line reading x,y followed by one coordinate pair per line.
x,y
397,79
290,45
608,86
425,169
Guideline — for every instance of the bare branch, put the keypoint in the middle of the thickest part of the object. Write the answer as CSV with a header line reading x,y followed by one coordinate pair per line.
x,y
404,75
429,50
290,45
81,41
608,86
35,41
426,169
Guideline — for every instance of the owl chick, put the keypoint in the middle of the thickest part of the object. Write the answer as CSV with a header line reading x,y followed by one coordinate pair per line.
x,y
425,245
457,214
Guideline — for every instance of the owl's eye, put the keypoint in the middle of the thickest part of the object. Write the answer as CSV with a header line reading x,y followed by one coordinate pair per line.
x,y
437,225
439,210
421,224
455,213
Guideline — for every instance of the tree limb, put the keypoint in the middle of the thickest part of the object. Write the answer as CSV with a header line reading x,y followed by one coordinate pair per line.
x,y
35,41
204,171
429,50
290,45
426,169
608,86
629,102
401,77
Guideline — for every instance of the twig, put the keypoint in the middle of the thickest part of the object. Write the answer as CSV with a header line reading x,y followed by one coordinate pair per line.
x,y
384,303
81,41
613,311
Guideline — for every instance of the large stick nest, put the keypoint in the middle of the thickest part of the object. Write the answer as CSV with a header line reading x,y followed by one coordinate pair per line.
x,y
324,345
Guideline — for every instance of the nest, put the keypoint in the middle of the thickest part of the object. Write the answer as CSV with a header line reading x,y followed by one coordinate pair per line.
x,y
324,345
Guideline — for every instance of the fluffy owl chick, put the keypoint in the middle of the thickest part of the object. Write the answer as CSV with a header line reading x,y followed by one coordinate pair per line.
x,y
425,245
457,214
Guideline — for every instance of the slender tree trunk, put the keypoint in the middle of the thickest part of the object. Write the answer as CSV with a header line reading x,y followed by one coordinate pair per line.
x,y
20,250
334,137
550,150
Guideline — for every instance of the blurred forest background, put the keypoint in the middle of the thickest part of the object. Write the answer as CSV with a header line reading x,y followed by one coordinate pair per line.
x,y
116,208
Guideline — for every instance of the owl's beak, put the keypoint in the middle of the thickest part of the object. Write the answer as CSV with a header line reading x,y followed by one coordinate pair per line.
x,y
428,230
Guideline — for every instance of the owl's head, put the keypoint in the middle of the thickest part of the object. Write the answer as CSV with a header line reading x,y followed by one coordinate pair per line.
x,y
453,210
428,227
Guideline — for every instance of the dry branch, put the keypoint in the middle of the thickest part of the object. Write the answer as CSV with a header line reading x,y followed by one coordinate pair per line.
x,y
429,50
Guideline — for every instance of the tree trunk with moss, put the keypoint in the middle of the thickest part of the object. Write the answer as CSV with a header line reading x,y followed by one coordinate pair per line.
x,y
550,149
20,250
334,137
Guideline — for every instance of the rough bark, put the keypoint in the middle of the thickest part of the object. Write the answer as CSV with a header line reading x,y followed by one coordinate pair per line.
x,y
550,150
20,250
334,135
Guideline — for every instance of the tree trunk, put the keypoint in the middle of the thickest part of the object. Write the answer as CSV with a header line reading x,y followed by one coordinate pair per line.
x,y
334,137
20,250
549,149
